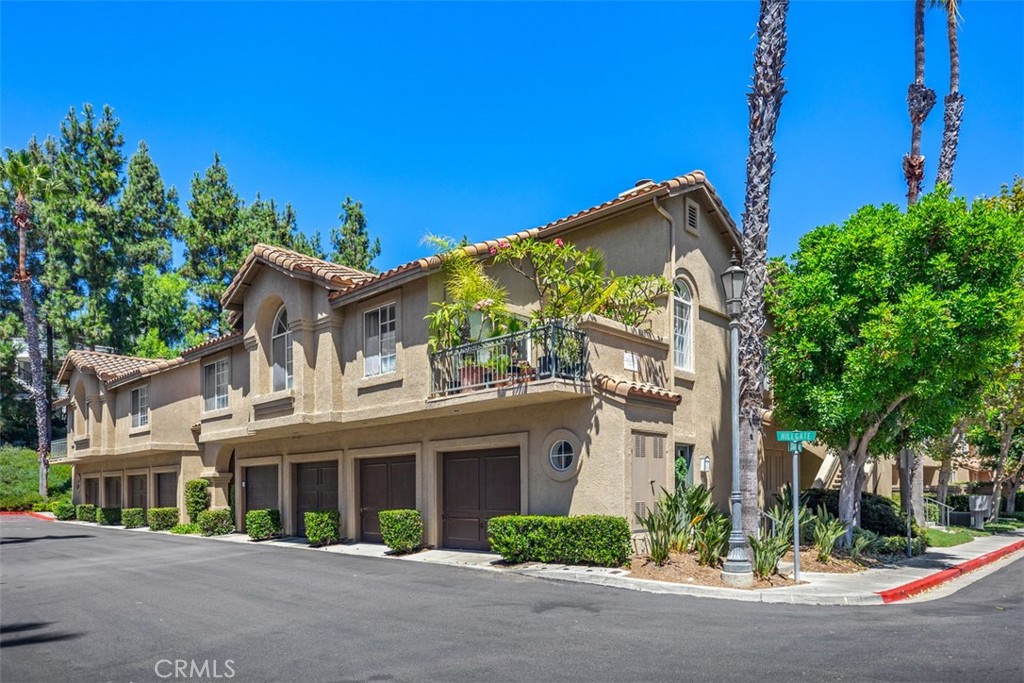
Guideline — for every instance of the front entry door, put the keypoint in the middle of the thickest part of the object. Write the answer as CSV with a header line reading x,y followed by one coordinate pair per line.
x,y
384,484
316,488
478,485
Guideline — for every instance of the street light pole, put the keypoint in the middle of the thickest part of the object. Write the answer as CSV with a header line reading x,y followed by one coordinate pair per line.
x,y
737,570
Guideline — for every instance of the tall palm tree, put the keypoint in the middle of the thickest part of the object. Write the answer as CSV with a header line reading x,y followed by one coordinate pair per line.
x,y
954,102
765,103
29,181
920,100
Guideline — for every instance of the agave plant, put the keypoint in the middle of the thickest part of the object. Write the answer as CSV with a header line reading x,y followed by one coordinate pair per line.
x,y
827,531
767,553
712,539
660,528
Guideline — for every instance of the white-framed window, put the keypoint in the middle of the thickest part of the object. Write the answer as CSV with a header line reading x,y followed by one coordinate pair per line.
x,y
215,385
85,416
682,326
281,352
380,334
140,406
561,456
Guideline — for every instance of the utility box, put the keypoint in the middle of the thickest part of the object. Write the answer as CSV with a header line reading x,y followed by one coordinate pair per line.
x,y
979,507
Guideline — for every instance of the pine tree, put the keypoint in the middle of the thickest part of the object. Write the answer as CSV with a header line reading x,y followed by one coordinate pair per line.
x,y
351,240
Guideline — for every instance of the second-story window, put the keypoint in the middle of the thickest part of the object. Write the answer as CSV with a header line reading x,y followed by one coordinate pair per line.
x,y
86,415
281,352
379,341
682,326
140,406
215,385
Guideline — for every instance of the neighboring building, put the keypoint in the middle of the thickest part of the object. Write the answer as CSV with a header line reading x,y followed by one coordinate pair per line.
x,y
325,395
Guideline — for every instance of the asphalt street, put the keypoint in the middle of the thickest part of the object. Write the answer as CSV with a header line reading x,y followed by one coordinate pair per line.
x,y
84,604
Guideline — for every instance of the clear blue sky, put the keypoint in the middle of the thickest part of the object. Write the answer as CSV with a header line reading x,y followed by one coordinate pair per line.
x,y
483,119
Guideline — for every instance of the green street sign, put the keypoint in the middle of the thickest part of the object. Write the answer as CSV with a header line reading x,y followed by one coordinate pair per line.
x,y
795,436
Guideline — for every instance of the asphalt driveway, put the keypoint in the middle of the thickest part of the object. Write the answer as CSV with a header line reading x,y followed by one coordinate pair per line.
x,y
82,603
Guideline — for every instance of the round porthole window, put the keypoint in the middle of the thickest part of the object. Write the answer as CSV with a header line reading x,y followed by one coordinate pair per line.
x,y
561,456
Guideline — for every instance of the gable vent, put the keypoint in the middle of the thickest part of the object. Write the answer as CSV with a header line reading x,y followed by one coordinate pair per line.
x,y
692,215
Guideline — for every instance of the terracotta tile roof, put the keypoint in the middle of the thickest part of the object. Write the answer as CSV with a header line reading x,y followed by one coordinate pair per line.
x,y
331,275
106,366
151,367
635,196
212,344
630,389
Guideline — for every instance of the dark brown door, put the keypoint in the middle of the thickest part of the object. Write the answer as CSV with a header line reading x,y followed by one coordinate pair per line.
x,y
167,489
478,485
261,488
92,491
384,484
316,488
112,492
137,491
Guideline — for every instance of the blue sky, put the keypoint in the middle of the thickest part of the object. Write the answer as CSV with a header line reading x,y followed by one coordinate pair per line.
x,y
486,118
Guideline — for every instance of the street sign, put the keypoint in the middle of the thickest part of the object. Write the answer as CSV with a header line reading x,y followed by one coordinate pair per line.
x,y
795,436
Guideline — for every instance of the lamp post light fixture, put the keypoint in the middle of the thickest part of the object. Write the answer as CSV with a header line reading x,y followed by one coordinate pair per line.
x,y
737,570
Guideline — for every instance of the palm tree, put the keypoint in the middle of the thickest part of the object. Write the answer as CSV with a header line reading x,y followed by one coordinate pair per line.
x,y
954,102
765,103
29,181
920,100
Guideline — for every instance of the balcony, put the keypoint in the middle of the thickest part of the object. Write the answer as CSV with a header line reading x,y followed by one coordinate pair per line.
x,y
552,351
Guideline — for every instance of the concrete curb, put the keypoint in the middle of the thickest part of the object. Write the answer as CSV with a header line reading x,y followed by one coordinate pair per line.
x,y
920,585
27,513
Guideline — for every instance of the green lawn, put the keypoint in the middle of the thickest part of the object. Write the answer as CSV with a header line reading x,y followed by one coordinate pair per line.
x,y
947,539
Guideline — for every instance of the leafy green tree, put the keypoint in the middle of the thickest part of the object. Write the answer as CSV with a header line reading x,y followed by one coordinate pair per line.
x,y
350,242
166,314
880,320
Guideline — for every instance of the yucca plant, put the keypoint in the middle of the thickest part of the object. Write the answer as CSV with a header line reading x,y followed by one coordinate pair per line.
x,y
827,531
660,528
863,541
783,512
712,538
767,553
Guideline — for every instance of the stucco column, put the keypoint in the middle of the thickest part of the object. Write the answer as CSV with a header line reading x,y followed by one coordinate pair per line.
x,y
219,489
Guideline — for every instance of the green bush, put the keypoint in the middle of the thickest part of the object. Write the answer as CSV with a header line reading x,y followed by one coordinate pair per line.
x,y
767,553
133,518
877,513
216,522
897,545
19,479
64,510
588,539
108,516
161,519
864,541
86,512
322,527
186,529
827,531
262,524
401,530
676,521
712,539
958,501
197,498
1003,525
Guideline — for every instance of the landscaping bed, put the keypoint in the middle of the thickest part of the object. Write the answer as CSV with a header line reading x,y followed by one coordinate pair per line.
x,y
684,568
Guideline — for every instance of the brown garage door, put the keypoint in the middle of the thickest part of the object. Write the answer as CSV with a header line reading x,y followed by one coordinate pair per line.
x,y
137,491
92,491
167,489
316,488
261,488
384,484
478,485
112,492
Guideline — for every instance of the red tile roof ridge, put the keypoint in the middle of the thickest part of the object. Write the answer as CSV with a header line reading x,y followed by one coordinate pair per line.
x,y
633,389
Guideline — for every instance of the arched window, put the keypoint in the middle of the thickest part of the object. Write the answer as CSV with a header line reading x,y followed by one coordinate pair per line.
x,y
682,326
281,351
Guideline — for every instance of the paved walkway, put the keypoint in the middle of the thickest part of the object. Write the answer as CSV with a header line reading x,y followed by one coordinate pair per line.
x,y
861,588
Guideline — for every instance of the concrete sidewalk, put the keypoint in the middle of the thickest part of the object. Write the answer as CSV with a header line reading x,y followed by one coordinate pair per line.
x,y
862,588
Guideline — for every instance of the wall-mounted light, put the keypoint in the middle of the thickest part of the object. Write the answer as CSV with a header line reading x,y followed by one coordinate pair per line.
x,y
705,464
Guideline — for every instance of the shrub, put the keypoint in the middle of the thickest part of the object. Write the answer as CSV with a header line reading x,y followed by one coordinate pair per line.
x,y
108,516
827,531
588,539
40,506
322,527
767,553
676,520
897,545
864,541
262,524
216,522
186,529
161,519
660,526
17,503
958,501
64,510
712,539
133,518
401,530
877,513
197,498
86,512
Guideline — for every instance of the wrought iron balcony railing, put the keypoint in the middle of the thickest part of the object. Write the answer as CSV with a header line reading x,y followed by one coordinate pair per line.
x,y
543,352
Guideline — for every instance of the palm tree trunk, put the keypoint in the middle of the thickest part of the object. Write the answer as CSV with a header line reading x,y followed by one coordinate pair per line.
x,y
954,102
31,320
920,100
765,103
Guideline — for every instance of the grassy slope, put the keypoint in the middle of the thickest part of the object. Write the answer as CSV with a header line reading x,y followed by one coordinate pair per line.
x,y
19,478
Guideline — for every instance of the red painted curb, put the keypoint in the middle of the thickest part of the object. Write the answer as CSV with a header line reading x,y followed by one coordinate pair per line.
x,y
920,585
27,513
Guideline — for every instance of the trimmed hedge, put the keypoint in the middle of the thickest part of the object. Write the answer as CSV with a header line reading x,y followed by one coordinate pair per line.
x,y
262,524
401,530
108,516
162,519
186,529
133,518
588,539
322,527
86,512
64,510
216,522
197,498
897,545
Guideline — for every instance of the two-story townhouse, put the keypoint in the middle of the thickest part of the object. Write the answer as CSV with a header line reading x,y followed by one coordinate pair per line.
x,y
325,395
